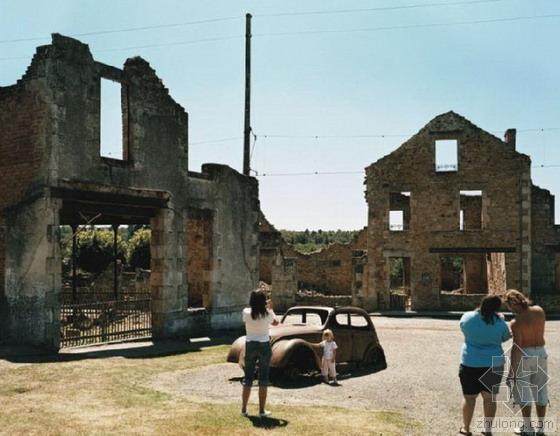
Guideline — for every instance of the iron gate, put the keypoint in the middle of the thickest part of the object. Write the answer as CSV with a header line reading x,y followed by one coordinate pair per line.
x,y
105,321
399,300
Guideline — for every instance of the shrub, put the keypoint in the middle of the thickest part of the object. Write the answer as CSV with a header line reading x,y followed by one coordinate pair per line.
x,y
139,249
94,249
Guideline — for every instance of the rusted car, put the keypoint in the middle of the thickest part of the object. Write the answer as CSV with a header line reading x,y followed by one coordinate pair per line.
x,y
291,339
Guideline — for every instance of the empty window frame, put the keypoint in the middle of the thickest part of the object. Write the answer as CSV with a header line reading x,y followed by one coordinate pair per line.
x,y
452,274
399,274
446,155
399,211
396,220
470,213
113,120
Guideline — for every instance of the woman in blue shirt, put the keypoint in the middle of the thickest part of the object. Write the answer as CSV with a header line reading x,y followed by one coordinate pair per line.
x,y
482,360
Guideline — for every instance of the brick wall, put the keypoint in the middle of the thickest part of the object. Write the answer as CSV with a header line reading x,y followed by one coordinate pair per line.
x,y
23,119
199,256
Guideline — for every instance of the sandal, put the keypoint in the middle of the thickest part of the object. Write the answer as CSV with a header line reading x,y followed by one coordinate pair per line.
x,y
464,432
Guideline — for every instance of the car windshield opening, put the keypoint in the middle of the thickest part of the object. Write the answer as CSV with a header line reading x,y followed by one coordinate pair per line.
x,y
299,317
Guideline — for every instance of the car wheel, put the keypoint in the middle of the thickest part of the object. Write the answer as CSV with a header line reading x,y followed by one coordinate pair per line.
x,y
301,361
375,358
292,372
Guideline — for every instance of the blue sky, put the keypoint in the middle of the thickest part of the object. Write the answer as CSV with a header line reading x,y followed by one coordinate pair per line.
x,y
344,84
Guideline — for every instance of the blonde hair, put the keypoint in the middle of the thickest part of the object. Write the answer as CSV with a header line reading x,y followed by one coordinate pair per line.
x,y
513,296
328,334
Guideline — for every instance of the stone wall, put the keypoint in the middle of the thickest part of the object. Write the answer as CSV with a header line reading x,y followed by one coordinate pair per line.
x,y
233,200
270,242
23,147
549,302
3,302
497,280
545,243
52,173
284,283
324,300
329,270
459,302
485,163
199,231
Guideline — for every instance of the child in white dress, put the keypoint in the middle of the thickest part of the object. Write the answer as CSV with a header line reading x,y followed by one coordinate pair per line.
x,y
328,362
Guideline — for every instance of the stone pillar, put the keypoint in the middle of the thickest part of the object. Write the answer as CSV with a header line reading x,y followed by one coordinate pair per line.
x,y
525,232
510,137
426,281
284,283
359,278
33,274
167,280
474,274
496,273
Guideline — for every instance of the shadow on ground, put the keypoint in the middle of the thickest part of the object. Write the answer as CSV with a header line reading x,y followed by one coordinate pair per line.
x,y
131,350
314,378
268,422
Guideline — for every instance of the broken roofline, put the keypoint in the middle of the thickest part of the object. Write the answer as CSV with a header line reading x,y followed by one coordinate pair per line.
x,y
61,43
432,129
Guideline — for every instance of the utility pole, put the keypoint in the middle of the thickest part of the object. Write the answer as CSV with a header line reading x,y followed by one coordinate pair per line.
x,y
247,129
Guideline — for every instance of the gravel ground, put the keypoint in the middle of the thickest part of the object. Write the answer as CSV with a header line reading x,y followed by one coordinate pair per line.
x,y
420,381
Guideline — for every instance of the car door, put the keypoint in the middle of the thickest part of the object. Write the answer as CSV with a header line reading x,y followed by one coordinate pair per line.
x,y
339,323
362,335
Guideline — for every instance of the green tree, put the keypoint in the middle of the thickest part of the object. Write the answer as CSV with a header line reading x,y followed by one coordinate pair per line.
x,y
94,249
138,254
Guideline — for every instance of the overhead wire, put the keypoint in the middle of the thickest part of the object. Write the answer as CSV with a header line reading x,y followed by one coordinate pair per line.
x,y
264,15
304,32
376,9
211,141
332,173
128,29
408,26
301,32
383,135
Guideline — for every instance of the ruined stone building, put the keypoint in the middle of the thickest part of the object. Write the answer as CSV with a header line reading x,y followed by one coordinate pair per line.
x,y
454,211
204,246
334,270
456,191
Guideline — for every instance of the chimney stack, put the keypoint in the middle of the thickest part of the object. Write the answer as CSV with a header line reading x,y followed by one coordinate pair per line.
x,y
509,137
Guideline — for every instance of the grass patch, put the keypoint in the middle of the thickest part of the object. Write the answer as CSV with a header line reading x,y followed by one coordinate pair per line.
x,y
109,396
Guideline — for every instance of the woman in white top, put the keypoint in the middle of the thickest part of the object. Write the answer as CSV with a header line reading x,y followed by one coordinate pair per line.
x,y
257,319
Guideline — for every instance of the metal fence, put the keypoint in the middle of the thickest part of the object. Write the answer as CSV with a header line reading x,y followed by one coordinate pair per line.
x,y
89,297
105,321
399,301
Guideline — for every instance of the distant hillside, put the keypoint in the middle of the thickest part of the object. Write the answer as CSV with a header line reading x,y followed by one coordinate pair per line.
x,y
313,240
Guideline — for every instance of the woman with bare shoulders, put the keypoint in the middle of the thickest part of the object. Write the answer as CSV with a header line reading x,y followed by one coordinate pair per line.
x,y
528,369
